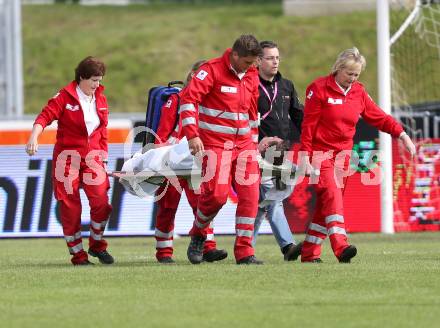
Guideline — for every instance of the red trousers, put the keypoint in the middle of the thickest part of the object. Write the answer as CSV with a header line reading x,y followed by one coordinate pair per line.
x,y
68,196
166,213
329,214
239,168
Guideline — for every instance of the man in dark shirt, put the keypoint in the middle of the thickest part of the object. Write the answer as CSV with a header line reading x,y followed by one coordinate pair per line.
x,y
280,110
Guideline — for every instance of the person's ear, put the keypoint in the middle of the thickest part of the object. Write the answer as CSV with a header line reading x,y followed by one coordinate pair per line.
x,y
258,62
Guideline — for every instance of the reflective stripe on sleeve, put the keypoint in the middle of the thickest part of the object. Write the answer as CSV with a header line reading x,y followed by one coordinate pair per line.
x,y
187,107
172,140
253,124
188,121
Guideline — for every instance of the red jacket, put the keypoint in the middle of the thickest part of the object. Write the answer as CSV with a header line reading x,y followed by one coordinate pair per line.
x,y
72,132
168,130
330,117
170,124
227,105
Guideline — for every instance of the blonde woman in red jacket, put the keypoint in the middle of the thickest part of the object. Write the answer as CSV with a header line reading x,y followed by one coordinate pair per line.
x,y
78,157
333,106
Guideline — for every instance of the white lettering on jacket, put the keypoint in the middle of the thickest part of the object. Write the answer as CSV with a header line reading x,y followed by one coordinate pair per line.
x,y
72,108
226,89
334,101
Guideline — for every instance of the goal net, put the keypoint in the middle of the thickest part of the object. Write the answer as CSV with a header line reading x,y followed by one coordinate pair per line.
x,y
415,94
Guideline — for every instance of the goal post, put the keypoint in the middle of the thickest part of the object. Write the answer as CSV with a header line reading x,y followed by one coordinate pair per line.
x,y
11,70
384,87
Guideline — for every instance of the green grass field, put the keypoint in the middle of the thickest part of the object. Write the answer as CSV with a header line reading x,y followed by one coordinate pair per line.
x,y
393,282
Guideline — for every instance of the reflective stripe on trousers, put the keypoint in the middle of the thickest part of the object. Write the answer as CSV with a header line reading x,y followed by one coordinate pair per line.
x,y
314,239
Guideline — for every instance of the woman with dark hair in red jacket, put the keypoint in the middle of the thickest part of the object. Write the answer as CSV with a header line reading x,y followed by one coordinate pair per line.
x,y
79,157
333,106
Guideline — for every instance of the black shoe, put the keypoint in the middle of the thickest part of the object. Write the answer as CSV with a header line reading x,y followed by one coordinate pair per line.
x,y
249,260
85,262
103,256
195,249
166,260
293,252
348,254
318,260
215,255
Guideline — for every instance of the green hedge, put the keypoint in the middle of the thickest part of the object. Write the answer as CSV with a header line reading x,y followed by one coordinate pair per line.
x,y
148,45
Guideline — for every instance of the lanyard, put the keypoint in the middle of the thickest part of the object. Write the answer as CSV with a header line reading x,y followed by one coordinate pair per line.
x,y
271,100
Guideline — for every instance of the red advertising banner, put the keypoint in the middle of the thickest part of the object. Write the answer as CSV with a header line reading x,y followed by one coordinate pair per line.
x,y
416,198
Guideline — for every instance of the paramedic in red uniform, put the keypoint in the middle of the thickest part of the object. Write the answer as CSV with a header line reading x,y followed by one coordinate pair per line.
x,y
79,157
333,106
170,132
224,94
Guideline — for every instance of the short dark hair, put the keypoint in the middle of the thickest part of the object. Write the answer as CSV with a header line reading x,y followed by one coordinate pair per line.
x,y
268,44
247,45
194,69
88,67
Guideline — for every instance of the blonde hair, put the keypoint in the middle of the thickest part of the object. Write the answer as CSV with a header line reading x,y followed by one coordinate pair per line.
x,y
194,69
347,58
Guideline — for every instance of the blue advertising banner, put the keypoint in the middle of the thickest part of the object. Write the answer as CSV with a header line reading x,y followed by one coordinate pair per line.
x,y
29,209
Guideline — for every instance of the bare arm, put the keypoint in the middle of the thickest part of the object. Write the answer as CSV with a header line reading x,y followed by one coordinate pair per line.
x,y
32,144
407,142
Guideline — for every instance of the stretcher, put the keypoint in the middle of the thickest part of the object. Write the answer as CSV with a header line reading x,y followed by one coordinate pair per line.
x,y
150,176
144,173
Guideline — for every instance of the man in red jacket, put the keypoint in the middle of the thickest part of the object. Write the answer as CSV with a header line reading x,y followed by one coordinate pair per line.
x,y
225,92
170,133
